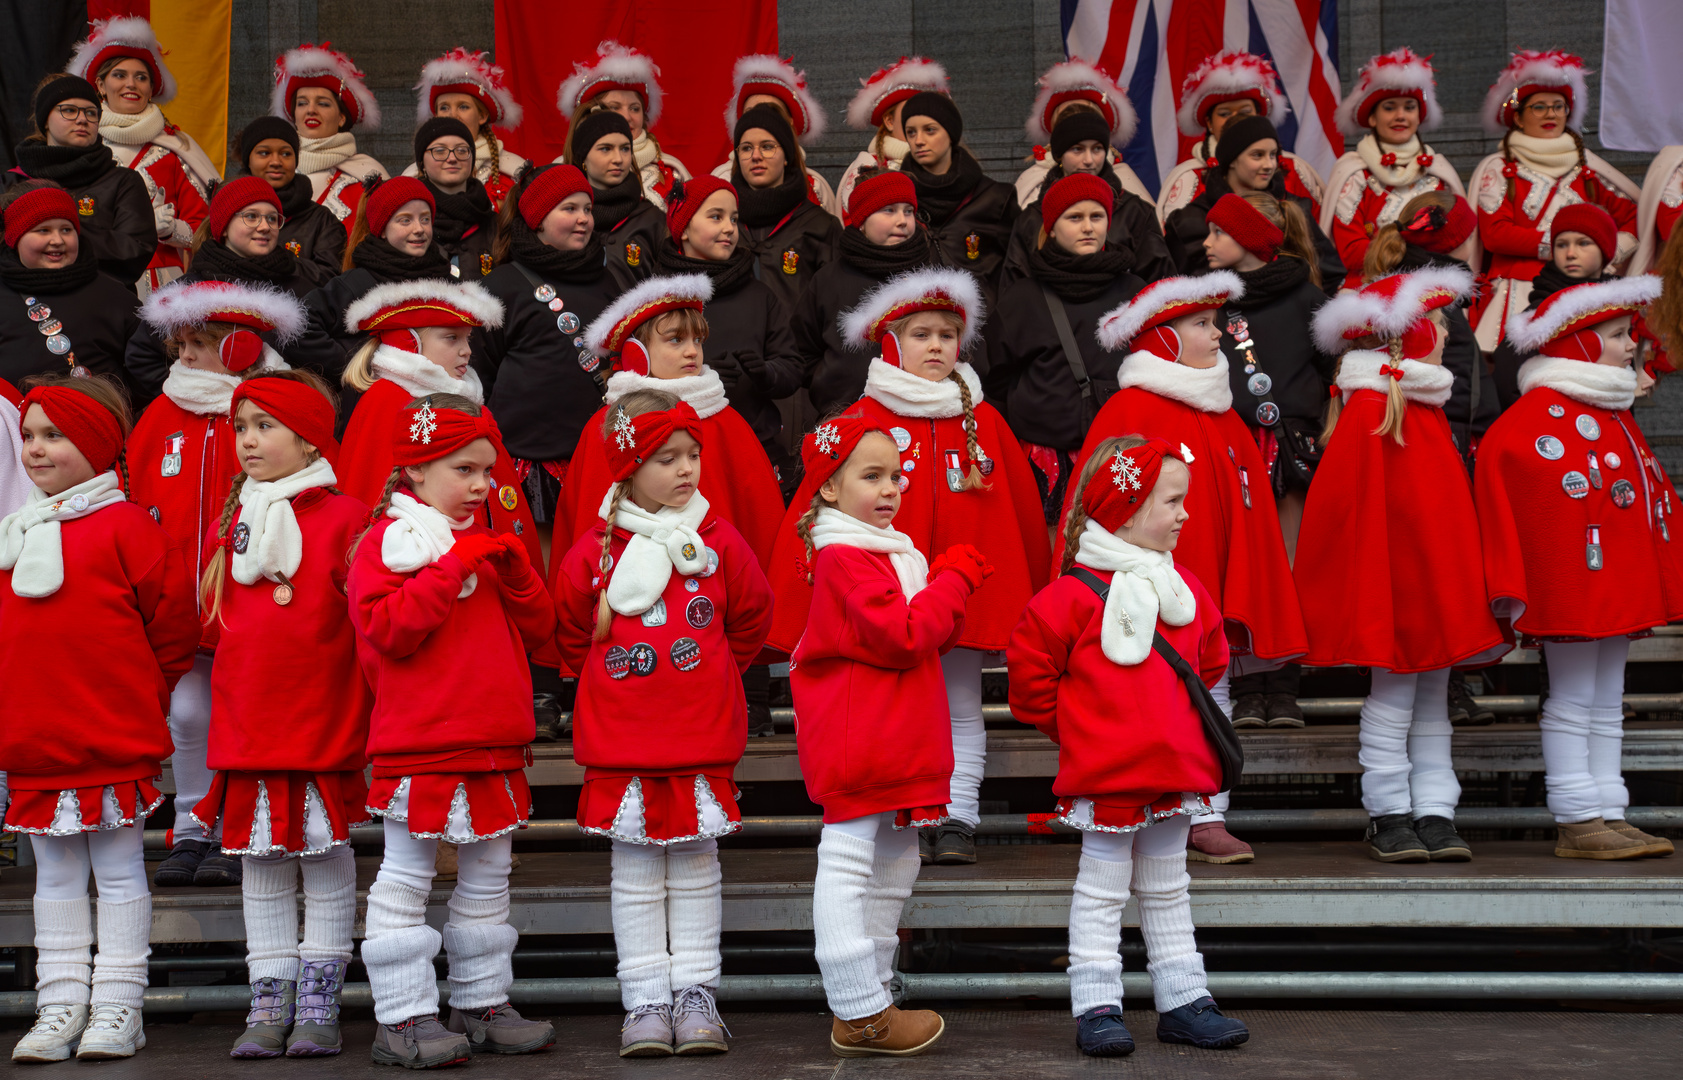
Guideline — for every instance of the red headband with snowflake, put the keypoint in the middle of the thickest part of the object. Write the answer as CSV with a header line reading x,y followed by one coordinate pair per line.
x,y
829,444
634,438
426,434
1118,491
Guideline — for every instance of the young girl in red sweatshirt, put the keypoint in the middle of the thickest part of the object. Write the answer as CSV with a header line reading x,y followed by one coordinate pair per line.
x,y
871,720
181,457
80,564
446,613
285,806
661,608
1133,759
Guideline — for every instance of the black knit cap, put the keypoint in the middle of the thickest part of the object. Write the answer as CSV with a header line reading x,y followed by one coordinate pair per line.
x,y
1240,135
1078,126
62,89
265,127
765,118
939,108
436,128
591,127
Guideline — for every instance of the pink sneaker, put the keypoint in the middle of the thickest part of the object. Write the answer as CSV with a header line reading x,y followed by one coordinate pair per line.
x,y
1212,843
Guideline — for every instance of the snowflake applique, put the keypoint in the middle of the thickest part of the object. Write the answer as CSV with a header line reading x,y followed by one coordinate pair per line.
x,y
625,433
827,438
1125,472
424,424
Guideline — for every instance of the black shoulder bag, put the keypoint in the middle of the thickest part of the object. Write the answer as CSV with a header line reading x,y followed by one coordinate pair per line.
x,y
1217,728
1090,402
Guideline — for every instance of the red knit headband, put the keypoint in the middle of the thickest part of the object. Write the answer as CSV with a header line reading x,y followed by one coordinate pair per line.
x,y
426,434
35,206
634,438
233,197
94,429
1116,492
685,199
831,443
298,405
1246,224
549,189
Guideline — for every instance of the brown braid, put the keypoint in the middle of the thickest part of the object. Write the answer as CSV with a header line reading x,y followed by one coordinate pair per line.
x,y
1075,522
803,529
1507,156
216,571
379,510
123,472
1592,184
604,613
973,479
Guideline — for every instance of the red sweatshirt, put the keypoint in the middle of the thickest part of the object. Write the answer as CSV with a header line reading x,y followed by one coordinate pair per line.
x,y
88,670
871,720
286,692
450,678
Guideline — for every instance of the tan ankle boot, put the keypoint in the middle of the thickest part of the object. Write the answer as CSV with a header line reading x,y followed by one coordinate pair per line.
x,y
1593,839
1652,845
892,1033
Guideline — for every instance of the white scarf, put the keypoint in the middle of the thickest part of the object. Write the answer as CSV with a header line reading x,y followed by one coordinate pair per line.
x,y
905,394
1205,389
645,149
1553,158
705,393
661,542
207,393
275,545
835,527
894,151
419,536
131,130
1426,383
420,376
1407,169
1604,387
324,155
30,542
1145,585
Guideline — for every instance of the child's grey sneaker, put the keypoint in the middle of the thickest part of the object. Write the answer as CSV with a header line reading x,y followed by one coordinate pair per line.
x,y
647,1032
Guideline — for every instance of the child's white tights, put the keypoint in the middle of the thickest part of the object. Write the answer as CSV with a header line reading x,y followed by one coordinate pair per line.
x,y
65,971
189,730
963,671
1584,729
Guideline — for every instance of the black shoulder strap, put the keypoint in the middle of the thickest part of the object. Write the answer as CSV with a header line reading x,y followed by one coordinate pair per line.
x,y
1158,641
1066,338
531,279
536,282
1089,579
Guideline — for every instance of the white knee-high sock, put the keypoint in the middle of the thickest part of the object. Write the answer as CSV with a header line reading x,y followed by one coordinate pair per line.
x,y
1433,789
894,870
1095,932
481,956
962,669
398,953
694,915
846,954
1606,760
125,932
329,904
64,950
638,891
1171,950
189,731
269,895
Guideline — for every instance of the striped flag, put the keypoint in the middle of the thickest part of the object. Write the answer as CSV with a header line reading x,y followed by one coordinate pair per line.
x,y
1154,43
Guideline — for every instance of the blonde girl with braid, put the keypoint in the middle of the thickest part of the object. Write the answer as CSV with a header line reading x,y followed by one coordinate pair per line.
x,y
661,607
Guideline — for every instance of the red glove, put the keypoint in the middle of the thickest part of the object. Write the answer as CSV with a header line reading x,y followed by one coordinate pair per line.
x,y
965,561
512,560
475,549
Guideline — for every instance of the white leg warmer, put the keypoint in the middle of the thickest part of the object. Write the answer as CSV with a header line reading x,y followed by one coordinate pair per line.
x,y
64,954
1387,715
894,870
1177,968
963,671
125,932
329,904
846,954
400,946
1095,921
269,894
1433,788
694,913
1607,727
189,730
1222,692
638,892
478,938
1573,794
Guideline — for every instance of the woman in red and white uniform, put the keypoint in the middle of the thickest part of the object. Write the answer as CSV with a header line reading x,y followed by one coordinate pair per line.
x,y
122,58
763,79
1658,209
1537,104
625,80
321,91
1579,546
467,86
1394,99
877,106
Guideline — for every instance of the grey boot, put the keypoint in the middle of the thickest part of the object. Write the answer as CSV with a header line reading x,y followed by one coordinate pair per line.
x,y
315,1031
268,1021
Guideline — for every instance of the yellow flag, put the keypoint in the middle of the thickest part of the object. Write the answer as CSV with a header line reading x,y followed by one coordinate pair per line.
x,y
194,35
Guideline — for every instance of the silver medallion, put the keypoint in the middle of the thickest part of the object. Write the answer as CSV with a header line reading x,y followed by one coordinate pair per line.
x,y
1587,427
1259,384
58,344
1550,448
1268,414
902,438
543,294
1575,484
567,322
1557,411
656,616
1612,460
1624,494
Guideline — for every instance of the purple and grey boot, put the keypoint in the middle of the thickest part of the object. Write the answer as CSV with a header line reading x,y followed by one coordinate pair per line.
x,y
316,1032
267,1023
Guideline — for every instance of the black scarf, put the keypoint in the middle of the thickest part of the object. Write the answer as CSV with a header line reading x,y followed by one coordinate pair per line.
x,y
939,197
459,212
581,267
1077,278
613,205
297,196
1551,279
215,259
883,262
71,166
728,275
22,279
377,256
1105,173
1268,283
759,207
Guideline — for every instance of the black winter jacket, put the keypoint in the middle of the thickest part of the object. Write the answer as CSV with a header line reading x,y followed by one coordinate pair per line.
x,y
1186,228
114,212
789,254
99,318
1278,306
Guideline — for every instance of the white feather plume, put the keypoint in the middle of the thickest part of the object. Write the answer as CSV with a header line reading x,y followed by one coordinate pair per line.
x,y
1229,72
460,66
128,30
180,305
764,67
615,63
1400,70
308,61
1079,75
909,73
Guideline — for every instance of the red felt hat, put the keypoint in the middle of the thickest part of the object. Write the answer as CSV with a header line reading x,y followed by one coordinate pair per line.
x,y
472,73
1593,222
1117,491
36,206
1559,325
686,198
871,194
634,438
1399,73
233,196
91,427
1242,221
1077,80
888,86
391,310
1142,324
1229,75
611,331
1532,72
617,67
298,405
1392,308
127,36
763,73
1078,187
263,309
909,293
333,71
552,185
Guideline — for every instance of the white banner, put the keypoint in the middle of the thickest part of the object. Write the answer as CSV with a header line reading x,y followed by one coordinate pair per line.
x,y
1642,75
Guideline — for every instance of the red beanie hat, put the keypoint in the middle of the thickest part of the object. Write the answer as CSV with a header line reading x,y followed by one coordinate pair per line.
x,y
93,428
1116,492
380,204
686,198
1586,218
1437,230
424,434
298,405
873,193
1071,190
1245,223
634,438
35,206
548,189
233,197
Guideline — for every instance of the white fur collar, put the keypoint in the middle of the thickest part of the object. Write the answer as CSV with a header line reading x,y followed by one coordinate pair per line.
x,y
210,393
1205,389
705,392
905,394
1593,384
1426,383
420,376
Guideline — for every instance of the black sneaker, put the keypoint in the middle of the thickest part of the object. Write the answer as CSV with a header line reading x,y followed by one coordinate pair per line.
x,y
1250,710
546,711
1100,1032
760,725
1464,709
176,872
1201,1024
926,845
1442,842
1391,838
955,844
218,870
1283,711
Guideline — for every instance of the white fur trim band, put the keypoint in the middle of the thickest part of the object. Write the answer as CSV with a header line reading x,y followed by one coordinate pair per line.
x,y
132,32
604,336
1531,330
468,297
956,287
618,64
810,120
910,73
457,67
180,305
1124,323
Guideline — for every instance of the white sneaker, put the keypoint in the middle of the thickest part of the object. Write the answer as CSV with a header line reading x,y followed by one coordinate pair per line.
x,y
113,1031
57,1027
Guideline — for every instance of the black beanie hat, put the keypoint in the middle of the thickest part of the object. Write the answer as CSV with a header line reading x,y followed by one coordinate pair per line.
x,y
1239,135
1078,126
939,108
766,118
62,89
265,127
436,128
591,127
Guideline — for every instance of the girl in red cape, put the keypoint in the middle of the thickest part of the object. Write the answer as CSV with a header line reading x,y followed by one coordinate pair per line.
x,y
963,476
84,743
1174,386
181,459
288,663
1133,759
1579,551
1388,568
661,608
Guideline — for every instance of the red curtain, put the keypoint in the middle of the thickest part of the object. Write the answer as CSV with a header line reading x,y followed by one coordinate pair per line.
x,y
695,43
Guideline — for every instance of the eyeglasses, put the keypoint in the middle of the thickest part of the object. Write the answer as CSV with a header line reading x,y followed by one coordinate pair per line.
x,y
450,153
72,112
1556,108
254,218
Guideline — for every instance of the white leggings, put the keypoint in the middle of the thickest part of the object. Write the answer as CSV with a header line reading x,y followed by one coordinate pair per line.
x,y
189,730
1219,801
866,870
1584,729
65,971
963,671
668,912
1405,746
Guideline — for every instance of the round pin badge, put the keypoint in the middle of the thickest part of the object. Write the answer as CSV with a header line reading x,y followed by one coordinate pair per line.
x,y
78,502
38,312
242,538
618,662
1587,427
578,342
49,327
58,344
153,510
905,482
1550,448
688,551
909,465
544,294
1624,494
1557,411
1611,460
568,322
686,654
283,594
692,585
508,497
1259,384
643,658
1575,484
712,563
902,438
1268,414
699,613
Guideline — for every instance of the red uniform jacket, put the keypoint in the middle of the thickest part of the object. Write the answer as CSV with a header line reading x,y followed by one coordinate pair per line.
x,y
292,670
871,720
450,677
1537,537
169,181
1128,735
1389,569
671,720
88,670
1353,236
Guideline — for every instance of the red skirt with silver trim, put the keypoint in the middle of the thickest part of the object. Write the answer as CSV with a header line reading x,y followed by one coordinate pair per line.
x,y
283,813
921,817
1098,814
460,807
659,809
69,811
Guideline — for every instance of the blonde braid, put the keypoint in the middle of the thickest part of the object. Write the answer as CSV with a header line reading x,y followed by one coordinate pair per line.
x,y
379,510
973,479
1335,406
216,571
803,529
604,613
1396,405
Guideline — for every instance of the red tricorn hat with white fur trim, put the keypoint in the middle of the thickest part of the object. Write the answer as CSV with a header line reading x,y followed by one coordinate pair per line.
x,y
1558,326
611,331
1532,72
890,85
472,73
1401,73
1390,309
416,305
1229,75
1160,303
263,308
1077,80
617,67
909,293
763,73
131,37
333,71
